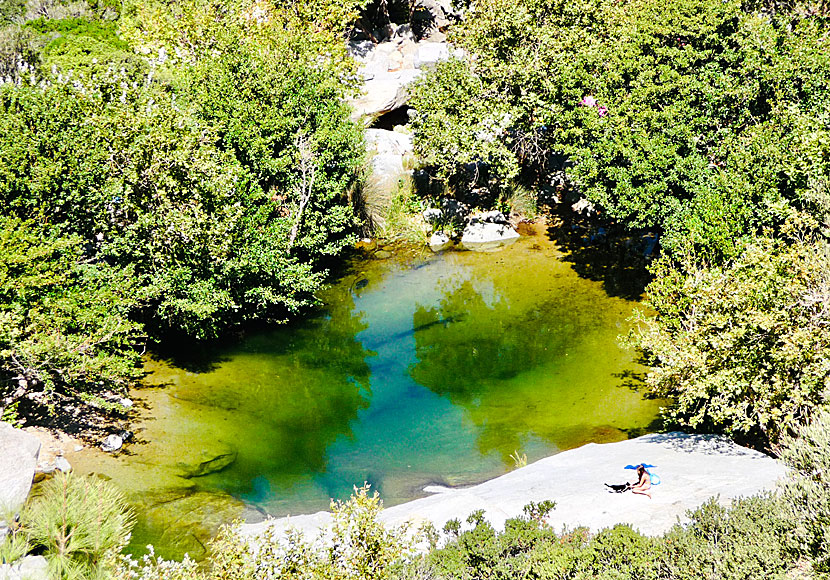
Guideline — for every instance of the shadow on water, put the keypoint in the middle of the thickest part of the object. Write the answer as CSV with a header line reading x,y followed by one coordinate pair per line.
x,y
519,369
606,252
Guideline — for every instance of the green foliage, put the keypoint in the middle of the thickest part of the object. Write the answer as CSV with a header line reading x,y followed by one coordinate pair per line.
x,y
199,186
458,132
745,541
15,544
81,523
807,492
355,547
65,331
744,347
686,115
748,540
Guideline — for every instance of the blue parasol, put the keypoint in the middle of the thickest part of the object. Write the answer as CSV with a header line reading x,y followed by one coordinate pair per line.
x,y
655,479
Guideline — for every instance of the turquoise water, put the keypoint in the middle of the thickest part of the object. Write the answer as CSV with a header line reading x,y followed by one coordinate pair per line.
x,y
417,370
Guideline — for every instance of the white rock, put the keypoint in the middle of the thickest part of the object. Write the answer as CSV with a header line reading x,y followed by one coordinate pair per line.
x,y
126,403
384,92
18,459
388,149
481,236
385,142
439,241
112,443
61,464
430,53
692,469
27,568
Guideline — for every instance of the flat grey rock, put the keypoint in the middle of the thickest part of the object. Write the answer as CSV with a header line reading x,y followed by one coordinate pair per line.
x,y
18,459
692,469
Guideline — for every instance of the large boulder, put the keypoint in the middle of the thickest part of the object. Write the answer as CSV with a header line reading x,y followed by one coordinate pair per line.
x,y
387,68
383,93
18,459
483,236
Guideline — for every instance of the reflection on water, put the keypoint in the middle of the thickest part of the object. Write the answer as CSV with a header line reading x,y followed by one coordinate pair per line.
x,y
418,371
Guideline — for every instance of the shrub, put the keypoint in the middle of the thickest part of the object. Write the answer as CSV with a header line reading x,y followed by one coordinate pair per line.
x,y
746,541
744,347
81,523
355,547
807,492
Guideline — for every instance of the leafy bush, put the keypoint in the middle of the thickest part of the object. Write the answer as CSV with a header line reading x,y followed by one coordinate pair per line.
x,y
750,539
65,332
744,347
198,187
356,546
686,115
807,492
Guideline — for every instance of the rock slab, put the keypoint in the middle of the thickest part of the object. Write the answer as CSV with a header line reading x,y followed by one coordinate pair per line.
x,y
18,459
692,469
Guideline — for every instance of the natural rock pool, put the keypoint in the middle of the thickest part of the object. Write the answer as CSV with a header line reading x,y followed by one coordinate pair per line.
x,y
418,370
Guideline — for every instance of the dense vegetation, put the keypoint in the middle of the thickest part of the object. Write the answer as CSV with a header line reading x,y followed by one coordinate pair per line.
x,y
165,169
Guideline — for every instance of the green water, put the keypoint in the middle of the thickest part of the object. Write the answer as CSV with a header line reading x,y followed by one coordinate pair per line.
x,y
419,370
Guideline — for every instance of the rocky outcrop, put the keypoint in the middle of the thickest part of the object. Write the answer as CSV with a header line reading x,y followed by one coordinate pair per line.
x,y
480,232
18,459
692,469
388,67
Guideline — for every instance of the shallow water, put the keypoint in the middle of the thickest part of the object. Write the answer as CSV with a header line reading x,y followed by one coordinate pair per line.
x,y
419,370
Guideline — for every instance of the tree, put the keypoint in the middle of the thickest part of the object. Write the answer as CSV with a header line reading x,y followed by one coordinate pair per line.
x,y
65,333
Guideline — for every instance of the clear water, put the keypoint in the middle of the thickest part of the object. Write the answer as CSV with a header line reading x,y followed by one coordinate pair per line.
x,y
418,370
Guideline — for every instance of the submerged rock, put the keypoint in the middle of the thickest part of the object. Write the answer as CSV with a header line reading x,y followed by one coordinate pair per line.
x,y
18,459
186,520
480,236
211,461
